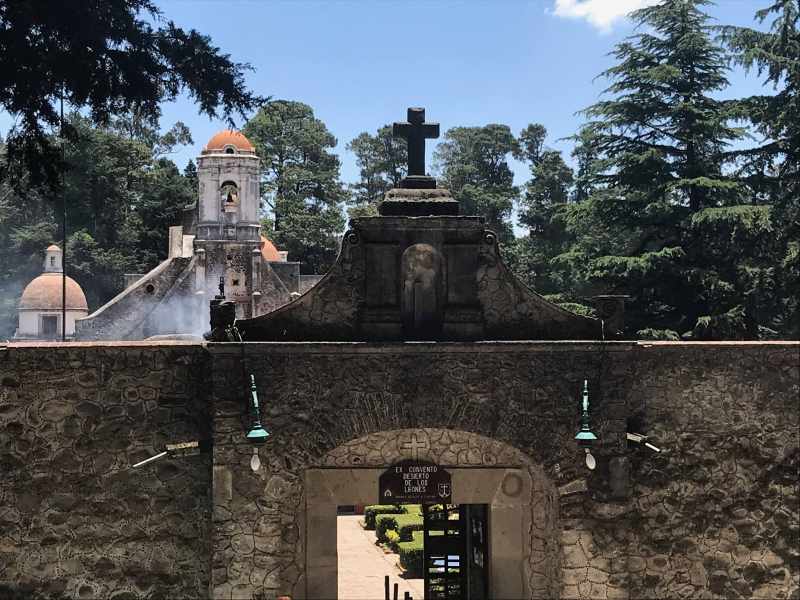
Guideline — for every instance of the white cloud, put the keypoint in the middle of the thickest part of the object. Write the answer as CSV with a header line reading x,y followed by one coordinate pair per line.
x,y
600,13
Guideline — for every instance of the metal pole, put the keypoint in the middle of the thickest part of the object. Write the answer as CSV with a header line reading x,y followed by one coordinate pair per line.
x,y
63,228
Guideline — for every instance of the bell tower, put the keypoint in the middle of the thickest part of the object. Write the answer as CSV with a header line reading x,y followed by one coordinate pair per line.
x,y
227,221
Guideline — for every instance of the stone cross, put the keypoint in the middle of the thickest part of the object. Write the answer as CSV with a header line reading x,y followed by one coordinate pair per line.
x,y
416,131
414,446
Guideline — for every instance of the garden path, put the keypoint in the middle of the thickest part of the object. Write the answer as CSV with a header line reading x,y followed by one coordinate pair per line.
x,y
363,565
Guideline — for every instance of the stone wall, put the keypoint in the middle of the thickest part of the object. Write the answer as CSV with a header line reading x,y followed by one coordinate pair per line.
x,y
319,398
74,517
715,515
642,525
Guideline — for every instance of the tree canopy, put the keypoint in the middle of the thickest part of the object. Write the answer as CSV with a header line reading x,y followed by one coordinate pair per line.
x,y
382,161
674,193
473,165
108,57
122,195
300,182
669,211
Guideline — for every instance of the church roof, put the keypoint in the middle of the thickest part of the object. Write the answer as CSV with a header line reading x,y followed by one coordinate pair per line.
x,y
226,138
44,293
268,250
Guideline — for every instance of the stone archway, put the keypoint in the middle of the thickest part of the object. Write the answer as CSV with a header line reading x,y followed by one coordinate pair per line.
x,y
524,540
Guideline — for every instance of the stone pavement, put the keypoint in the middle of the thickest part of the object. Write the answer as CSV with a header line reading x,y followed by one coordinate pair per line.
x,y
363,565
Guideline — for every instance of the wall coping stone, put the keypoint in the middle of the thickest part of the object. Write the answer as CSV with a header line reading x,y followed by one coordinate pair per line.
x,y
412,347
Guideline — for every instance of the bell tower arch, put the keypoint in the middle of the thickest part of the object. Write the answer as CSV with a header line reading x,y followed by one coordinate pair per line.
x,y
228,228
227,170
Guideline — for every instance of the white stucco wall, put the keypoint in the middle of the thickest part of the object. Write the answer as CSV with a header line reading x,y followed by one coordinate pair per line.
x,y
30,321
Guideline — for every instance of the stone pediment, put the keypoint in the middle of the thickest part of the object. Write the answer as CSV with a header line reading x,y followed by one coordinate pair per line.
x,y
401,278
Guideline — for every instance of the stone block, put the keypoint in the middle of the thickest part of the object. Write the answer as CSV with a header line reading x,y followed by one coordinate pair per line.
x,y
619,476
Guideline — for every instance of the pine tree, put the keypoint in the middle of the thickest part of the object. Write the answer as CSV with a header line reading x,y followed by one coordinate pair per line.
x,y
382,160
545,195
773,167
473,164
300,181
671,223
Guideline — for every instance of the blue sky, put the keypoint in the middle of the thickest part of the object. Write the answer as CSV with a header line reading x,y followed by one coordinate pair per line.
x,y
360,64
468,62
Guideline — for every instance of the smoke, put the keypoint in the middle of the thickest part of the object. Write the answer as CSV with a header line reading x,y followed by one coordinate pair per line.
x,y
185,313
10,293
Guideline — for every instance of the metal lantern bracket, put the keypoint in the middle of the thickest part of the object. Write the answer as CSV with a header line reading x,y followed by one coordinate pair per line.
x,y
638,438
180,449
256,434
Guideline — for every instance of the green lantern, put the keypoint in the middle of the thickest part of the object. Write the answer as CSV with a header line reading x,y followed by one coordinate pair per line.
x,y
586,436
257,434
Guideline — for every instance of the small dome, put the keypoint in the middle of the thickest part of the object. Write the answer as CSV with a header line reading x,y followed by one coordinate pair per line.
x,y
226,139
44,293
268,250
53,248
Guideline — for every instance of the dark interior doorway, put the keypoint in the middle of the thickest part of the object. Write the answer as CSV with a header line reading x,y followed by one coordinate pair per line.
x,y
49,325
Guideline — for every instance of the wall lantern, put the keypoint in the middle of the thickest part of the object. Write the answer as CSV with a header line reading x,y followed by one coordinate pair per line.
x,y
585,437
256,435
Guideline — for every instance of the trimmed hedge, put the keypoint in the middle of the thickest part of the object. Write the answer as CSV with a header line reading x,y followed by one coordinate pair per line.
x,y
403,524
392,538
411,554
372,511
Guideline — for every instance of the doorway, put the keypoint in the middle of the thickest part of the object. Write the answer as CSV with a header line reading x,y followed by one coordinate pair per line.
x,y
483,554
49,326
419,552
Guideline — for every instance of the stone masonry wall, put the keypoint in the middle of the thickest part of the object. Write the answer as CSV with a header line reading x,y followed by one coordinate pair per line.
x,y
715,515
726,416
319,397
74,518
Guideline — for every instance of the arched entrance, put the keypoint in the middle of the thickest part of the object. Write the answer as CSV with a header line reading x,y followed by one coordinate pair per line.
x,y
521,502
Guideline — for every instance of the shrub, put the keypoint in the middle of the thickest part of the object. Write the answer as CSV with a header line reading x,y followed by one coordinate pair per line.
x,y
407,524
392,537
411,554
370,512
403,524
384,523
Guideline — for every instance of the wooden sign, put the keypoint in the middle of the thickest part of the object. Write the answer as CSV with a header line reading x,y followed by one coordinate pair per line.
x,y
415,482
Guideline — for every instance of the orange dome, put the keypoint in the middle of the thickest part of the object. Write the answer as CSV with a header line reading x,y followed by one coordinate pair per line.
x,y
226,138
53,248
44,293
268,250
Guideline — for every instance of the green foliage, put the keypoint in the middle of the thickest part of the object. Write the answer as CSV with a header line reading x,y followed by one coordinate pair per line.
x,y
382,161
121,198
372,511
299,182
658,334
666,213
403,524
109,58
473,163
578,308
411,555
392,538
546,194
773,168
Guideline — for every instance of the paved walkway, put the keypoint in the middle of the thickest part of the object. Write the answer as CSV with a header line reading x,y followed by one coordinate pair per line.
x,y
363,565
